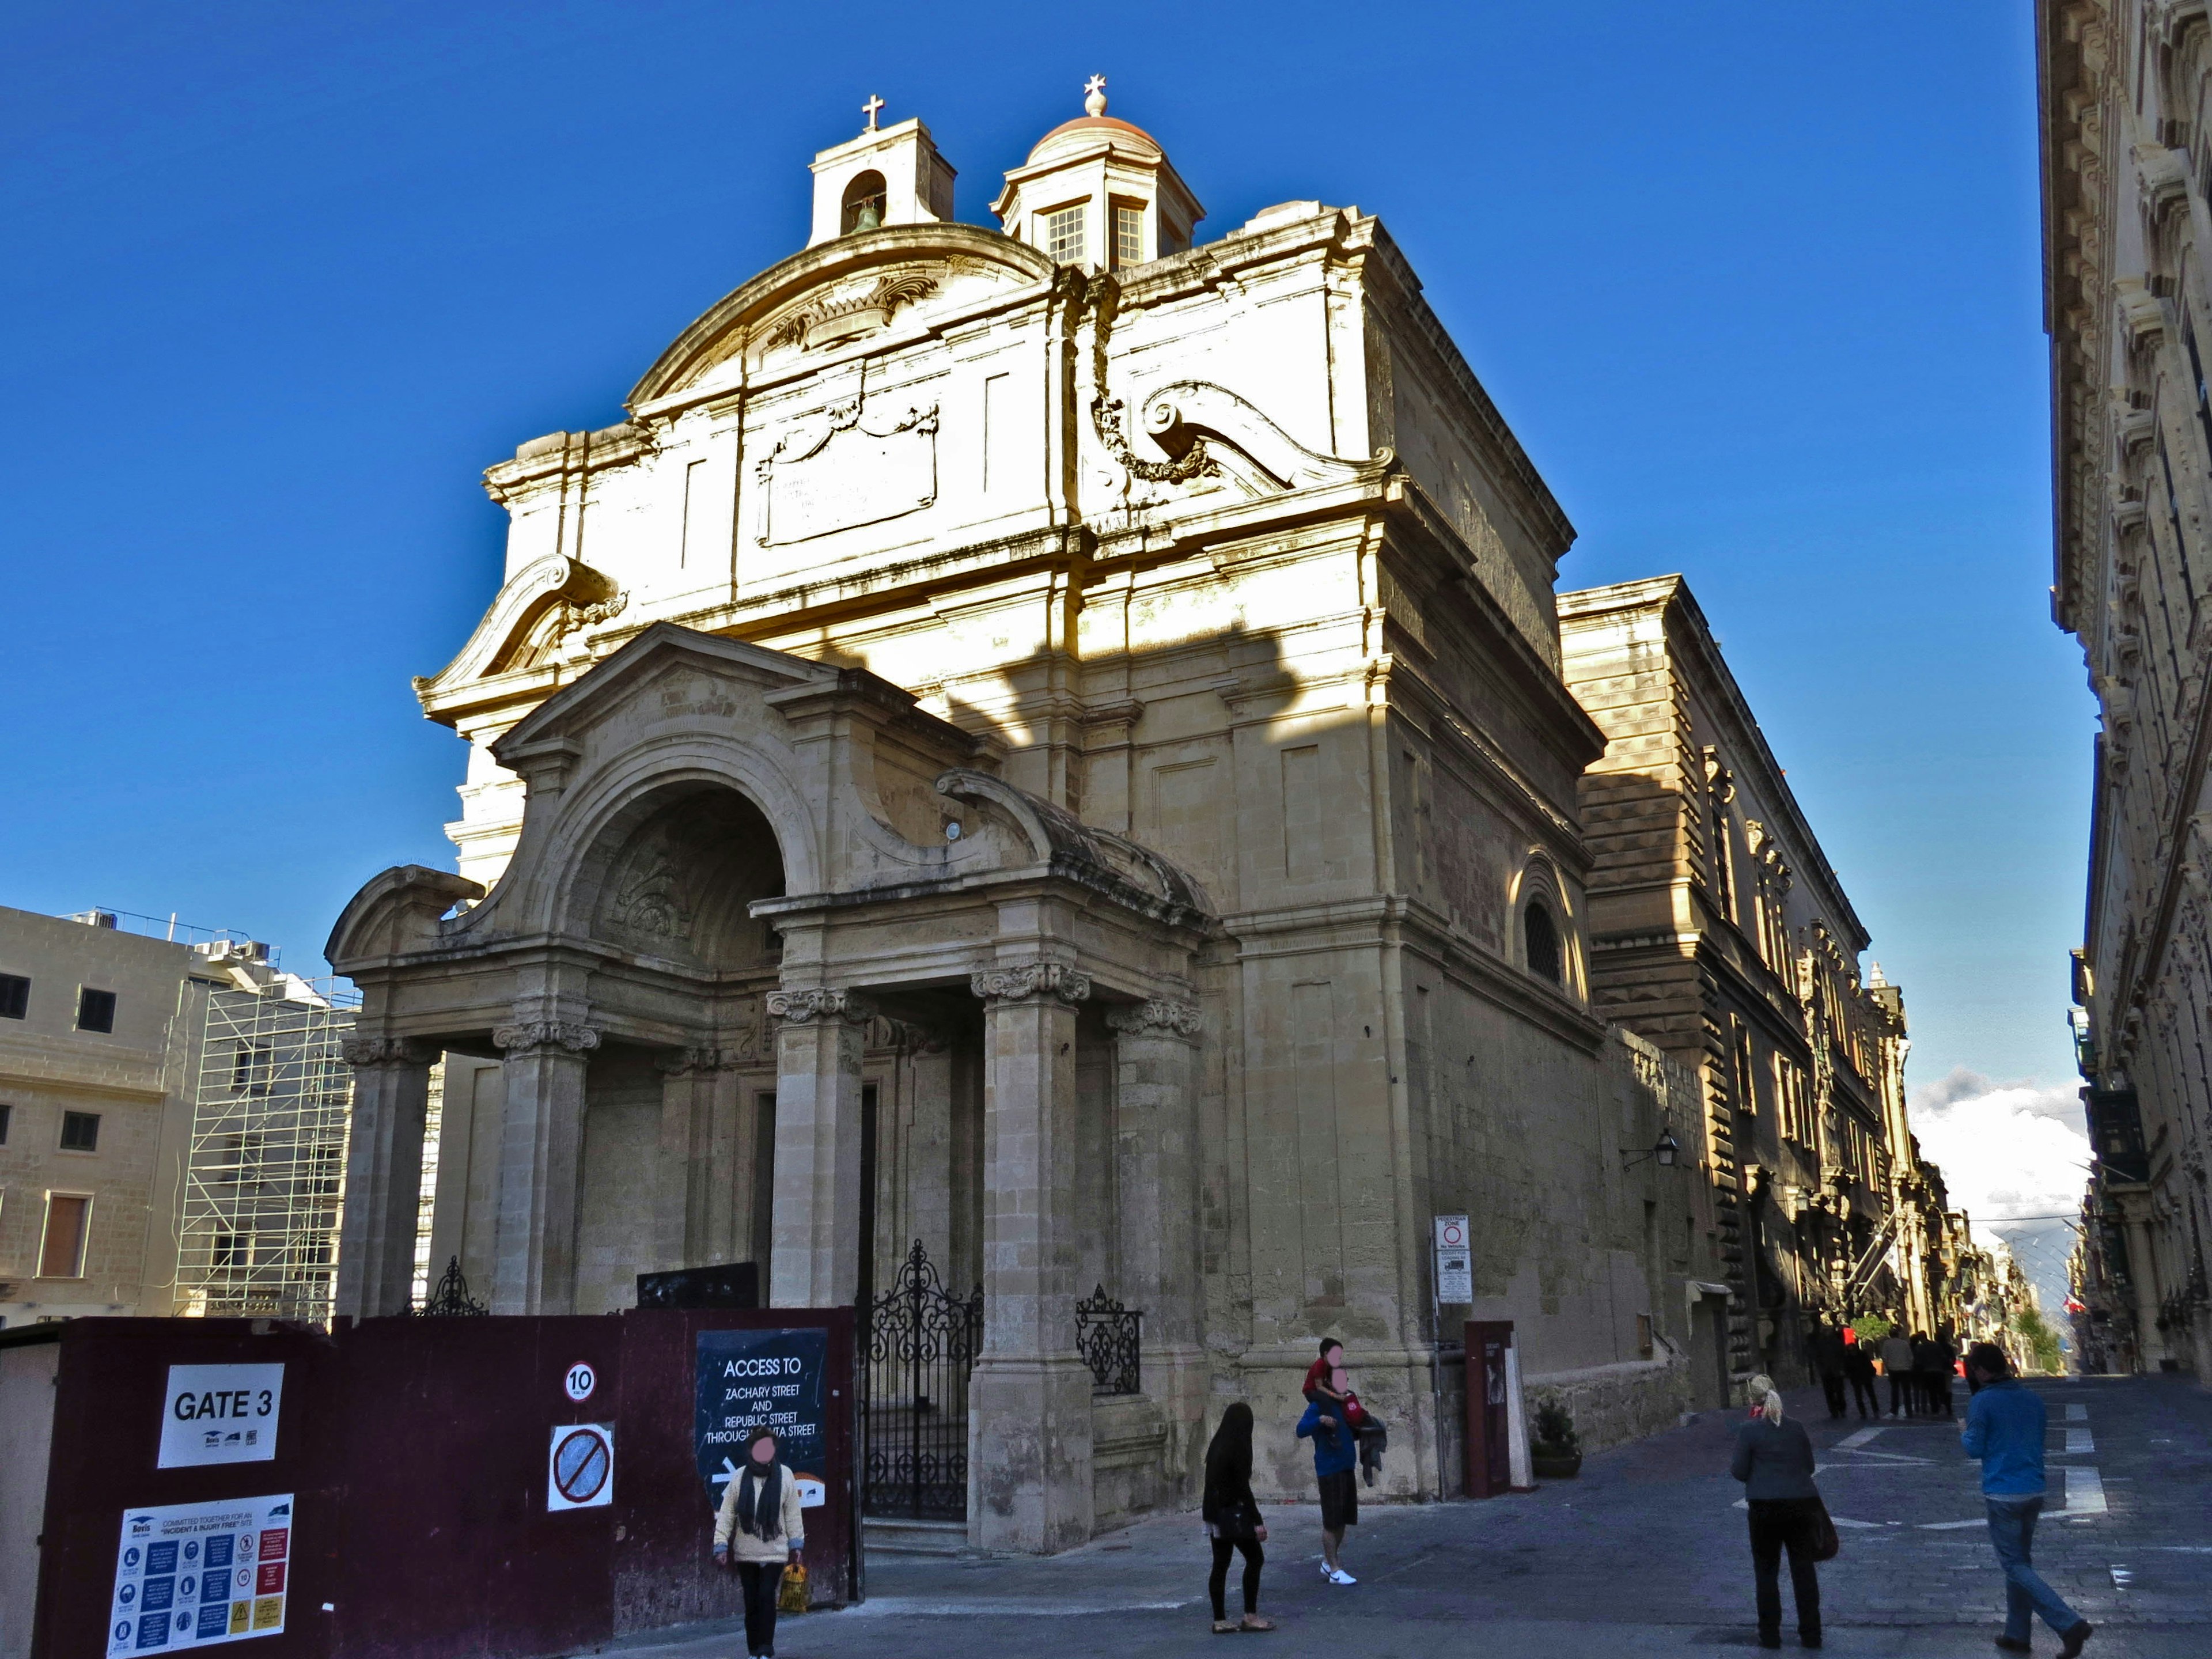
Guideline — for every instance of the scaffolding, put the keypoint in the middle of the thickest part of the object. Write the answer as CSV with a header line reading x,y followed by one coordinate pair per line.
x,y
265,1180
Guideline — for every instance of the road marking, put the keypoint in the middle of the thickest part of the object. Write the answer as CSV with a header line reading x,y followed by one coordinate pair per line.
x,y
2080,1440
1949,1526
1853,1441
2077,1413
2123,1577
2085,1493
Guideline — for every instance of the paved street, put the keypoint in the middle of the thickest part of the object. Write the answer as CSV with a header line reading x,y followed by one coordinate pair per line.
x,y
1645,1553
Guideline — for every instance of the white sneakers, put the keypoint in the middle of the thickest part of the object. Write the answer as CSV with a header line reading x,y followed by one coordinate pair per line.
x,y
1337,1575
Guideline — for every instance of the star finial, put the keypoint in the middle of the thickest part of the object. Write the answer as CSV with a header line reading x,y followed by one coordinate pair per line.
x,y
1094,95
870,109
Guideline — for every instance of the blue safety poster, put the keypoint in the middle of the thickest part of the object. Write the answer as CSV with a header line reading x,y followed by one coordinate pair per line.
x,y
192,1575
754,1380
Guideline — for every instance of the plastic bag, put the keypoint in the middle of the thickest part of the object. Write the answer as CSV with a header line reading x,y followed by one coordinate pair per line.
x,y
793,1597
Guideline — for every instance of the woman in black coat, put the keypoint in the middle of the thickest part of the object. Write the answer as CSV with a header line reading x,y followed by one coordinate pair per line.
x,y
1774,1461
1232,1518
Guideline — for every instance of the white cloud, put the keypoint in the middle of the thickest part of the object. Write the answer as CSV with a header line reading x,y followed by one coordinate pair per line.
x,y
2005,1150
2017,1149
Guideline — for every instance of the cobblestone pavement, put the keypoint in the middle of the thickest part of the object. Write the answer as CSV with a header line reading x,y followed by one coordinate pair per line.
x,y
1643,1554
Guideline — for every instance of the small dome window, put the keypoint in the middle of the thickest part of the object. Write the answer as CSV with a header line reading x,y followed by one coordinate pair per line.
x,y
864,203
1541,936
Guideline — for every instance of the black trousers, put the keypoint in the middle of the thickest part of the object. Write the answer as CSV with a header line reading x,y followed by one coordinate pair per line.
x,y
1862,1395
1904,1393
1218,1584
1832,1384
1939,1394
1776,1525
763,1582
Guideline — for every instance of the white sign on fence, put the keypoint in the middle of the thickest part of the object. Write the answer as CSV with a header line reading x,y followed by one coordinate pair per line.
x,y
219,1415
192,1575
1455,1263
579,1472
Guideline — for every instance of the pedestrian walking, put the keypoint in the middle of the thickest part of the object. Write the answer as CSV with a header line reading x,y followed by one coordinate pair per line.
x,y
1924,1372
759,1526
1858,1371
1897,1366
1335,1452
1232,1520
1774,1461
1945,1357
2005,1427
1827,1347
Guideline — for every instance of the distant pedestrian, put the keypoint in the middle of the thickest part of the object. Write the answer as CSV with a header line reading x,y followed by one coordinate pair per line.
x,y
1336,1453
1774,1461
761,1526
1858,1371
2005,1427
1945,1357
1232,1520
1827,1347
1924,1372
1897,1366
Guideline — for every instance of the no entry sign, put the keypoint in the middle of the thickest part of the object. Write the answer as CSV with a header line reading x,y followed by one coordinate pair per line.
x,y
579,1473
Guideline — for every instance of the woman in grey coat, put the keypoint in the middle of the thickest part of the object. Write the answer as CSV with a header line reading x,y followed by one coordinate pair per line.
x,y
1774,1461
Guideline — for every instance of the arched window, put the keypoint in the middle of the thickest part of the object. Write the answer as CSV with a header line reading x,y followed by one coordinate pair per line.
x,y
864,203
1541,935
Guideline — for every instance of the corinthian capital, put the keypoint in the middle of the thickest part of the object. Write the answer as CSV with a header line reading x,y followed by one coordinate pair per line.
x,y
359,1051
530,1036
1157,1017
820,1002
1030,982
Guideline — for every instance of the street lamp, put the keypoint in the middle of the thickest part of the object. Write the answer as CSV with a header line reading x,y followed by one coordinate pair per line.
x,y
1663,1150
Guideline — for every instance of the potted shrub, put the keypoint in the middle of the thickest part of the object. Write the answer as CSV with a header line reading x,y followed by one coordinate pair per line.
x,y
1556,1453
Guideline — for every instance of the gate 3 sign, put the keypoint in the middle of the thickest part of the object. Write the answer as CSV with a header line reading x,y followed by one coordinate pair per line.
x,y
754,1380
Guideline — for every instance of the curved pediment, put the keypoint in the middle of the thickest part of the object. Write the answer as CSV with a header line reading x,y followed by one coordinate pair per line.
x,y
535,609
842,290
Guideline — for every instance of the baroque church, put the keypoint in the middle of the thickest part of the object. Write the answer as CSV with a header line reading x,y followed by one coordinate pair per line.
x,y
1035,769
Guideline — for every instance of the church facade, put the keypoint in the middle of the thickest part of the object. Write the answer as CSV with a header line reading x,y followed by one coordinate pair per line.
x,y
1045,748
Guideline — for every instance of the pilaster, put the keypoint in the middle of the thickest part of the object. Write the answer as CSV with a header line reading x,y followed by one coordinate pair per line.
x,y
820,1034
1030,1469
383,1174
540,1165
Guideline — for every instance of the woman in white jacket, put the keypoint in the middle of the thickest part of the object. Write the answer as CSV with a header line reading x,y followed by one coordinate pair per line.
x,y
761,1526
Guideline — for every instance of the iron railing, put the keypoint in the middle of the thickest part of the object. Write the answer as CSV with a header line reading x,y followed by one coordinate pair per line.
x,y
1111,1337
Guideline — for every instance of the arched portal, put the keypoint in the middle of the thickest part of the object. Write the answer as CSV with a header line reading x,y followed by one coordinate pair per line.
x,y
675,873
677,1158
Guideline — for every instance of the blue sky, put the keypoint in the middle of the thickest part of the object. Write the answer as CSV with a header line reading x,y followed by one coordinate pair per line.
x,y
1758,287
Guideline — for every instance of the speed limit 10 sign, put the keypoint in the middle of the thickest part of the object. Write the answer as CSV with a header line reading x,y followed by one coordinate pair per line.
x,y
579,1382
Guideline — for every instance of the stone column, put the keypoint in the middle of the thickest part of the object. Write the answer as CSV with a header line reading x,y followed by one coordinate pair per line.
x,y
1028,1398
816,1261
540,1165
383,1174
2142,1277
1156,1141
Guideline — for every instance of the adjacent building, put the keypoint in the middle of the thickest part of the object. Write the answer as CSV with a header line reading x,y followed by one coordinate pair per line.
x,y
2128,303
1718,930
160,1149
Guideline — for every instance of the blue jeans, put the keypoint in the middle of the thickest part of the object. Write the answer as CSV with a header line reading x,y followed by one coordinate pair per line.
x,y
2012,1533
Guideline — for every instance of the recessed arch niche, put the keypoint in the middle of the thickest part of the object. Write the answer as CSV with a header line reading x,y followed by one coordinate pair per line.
x,y
674,875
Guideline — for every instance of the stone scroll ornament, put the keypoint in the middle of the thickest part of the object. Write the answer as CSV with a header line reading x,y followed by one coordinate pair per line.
x,y
531,1036
1031,982
1157,1017
363,1051
819,1003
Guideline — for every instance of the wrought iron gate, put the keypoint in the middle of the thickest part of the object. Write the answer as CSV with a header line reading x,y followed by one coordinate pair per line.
x,y
920,1342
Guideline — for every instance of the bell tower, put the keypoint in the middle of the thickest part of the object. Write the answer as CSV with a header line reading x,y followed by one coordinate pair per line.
x,y
887,176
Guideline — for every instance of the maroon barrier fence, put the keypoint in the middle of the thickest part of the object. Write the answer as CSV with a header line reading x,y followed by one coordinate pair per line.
x,y
417,1454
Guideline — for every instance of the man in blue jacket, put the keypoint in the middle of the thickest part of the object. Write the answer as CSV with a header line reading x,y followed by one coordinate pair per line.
x,y
2005,1429
1336,1450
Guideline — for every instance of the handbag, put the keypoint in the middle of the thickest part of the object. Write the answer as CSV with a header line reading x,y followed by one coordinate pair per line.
x,y
1825,1543
792,1598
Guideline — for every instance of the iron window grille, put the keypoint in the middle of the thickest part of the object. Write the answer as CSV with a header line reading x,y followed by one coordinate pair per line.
x,y
1110,1338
